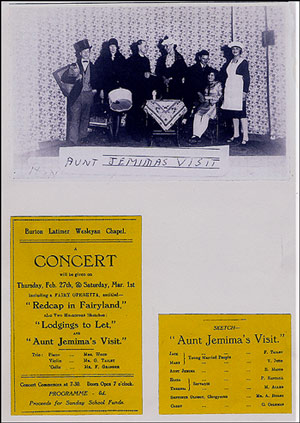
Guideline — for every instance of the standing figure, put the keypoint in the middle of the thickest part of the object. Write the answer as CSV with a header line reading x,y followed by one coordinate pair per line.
x,y
196,79
207,108
171,68
111,74
140,83
82,76
111,67
222,76
235,92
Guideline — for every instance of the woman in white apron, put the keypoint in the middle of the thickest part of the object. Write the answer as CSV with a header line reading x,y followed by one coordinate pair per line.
x,y
235,92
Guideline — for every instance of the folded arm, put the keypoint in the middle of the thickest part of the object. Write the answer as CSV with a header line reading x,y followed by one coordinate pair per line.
x,y
70,77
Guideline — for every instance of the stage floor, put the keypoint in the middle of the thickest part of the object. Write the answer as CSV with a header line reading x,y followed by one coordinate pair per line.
x,y
258,145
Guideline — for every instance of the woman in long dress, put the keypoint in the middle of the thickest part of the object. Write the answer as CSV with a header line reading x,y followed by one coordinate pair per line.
x,y
235,92
111,71
208,106
171,69
111,67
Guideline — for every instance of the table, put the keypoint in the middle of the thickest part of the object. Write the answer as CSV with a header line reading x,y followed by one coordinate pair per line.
x,y
166,113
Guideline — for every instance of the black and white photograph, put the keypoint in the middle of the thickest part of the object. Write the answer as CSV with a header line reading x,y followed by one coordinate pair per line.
x,y
175,125
95,87
153,85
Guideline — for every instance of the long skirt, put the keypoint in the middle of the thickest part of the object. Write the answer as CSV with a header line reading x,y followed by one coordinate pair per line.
x,y
200,124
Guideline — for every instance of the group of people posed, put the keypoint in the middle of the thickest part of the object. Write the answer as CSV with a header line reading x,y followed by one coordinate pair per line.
x,y
201,87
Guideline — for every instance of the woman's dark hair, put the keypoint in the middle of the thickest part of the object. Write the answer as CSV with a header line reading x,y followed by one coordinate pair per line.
x,y
215,72
105,49
134,47
227,53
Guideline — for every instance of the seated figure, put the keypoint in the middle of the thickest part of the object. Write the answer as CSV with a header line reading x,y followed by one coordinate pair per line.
x,y
206,108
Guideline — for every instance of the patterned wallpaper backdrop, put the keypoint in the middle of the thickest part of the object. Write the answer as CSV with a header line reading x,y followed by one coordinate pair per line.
x,y
24,74
255,53
248,24
45,35
277,66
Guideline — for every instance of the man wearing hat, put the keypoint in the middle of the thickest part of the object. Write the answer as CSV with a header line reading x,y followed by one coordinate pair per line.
x,y
82,76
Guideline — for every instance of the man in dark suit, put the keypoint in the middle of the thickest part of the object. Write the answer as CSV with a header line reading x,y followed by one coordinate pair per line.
x,y
141,84
82,76
196,79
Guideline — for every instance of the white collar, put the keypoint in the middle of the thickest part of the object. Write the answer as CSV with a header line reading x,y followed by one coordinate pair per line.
x,y
240,59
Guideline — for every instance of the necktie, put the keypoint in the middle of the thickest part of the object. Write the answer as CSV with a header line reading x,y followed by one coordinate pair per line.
x,y
85,65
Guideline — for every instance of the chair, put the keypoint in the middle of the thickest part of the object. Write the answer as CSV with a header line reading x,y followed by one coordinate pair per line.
x,y
212,133
218,129
213,129
103,118
99,115
155,130
163,118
